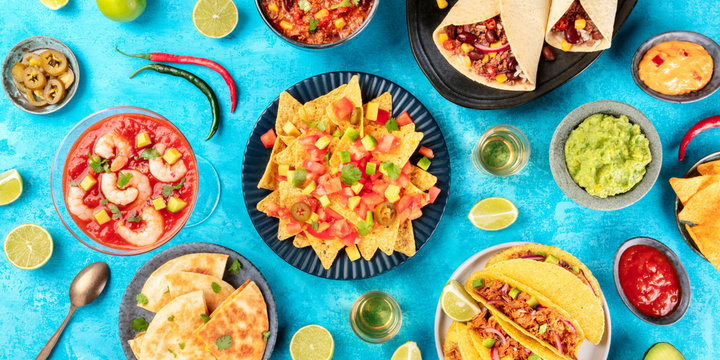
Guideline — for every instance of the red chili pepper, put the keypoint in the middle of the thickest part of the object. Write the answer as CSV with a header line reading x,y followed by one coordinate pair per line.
x,y
658,60
702,125
491,70
449,45
561,24
182,59
490,24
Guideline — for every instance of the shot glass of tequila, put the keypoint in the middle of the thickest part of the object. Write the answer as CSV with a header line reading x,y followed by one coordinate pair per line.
x,y
375,317
503,150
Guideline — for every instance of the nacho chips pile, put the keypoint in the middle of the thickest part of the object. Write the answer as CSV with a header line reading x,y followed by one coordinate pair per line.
x,y
700,196
340,175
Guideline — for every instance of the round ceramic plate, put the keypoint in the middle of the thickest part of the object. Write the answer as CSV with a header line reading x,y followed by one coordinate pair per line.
x,y
712,48
423,17
588,350
129,310
256,158
559,167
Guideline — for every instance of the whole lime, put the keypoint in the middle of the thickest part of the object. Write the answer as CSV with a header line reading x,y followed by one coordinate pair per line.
x,y
122,10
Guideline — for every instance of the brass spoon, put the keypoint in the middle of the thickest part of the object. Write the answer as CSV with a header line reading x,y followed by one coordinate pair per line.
x,y
85,288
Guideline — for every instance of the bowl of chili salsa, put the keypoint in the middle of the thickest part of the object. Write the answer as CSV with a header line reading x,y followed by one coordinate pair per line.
x,y
124,181
316,24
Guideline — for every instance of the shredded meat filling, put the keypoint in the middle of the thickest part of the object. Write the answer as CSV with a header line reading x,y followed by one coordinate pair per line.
x,y
510,347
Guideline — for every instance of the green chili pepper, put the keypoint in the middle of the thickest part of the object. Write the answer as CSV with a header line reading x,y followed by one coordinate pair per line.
x,y
198,82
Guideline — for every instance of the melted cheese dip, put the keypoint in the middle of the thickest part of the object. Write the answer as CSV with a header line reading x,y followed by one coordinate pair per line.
x,y
676,67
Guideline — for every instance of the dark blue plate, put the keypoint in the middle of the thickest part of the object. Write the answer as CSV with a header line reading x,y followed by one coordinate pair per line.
x,y
256,158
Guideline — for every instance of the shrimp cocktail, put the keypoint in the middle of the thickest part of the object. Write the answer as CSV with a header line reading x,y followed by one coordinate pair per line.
x,y
130,181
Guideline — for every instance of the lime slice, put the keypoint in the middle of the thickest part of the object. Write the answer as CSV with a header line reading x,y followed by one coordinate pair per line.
x,y
11,186
28,246
493,213
312,342
54,4
457,304
407,351
215,18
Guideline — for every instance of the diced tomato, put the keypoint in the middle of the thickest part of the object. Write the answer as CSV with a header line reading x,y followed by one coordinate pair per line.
x,y
407,168
403,204
273,210
343,9
333,185
325,235
402,181
404,119
343,108
314,167
357,152
348,192
316,154
309,139
349,240
279,178
449,45
491,70
268,139
416,213
341,228
379,187
387,143
372,199
294,227
361,210
490,23
382,117
331,213
433,194
426,152
320,190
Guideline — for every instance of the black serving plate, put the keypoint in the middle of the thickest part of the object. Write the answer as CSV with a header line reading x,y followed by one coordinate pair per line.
x,y
256,157
423,17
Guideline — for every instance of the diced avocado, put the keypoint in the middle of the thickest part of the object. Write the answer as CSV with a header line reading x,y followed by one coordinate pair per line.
x,y
532,302
392,193
541,253
353,202
309,188
102,217
352,134
424,163
369,218
337,133
478,283
370,168
372,110
289,175
283,169
352,252
534,357
159,203
514,292
369,142
314,217
324,201
297,178
88,182
172,155
175,204
489,343
542,329
357,188
663,351
142,139
551,259
322,142
290,129
344,157
576,269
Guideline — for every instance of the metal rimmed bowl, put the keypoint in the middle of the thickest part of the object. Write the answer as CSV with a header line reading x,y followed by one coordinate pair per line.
x,y
685,291
37,44
679,206
302,45
710,46
559,169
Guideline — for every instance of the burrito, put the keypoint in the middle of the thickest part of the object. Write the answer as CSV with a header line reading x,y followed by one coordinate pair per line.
x,y
581,25
496,43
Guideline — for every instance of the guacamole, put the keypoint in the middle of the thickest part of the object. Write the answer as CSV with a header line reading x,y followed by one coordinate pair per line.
x,y
607,155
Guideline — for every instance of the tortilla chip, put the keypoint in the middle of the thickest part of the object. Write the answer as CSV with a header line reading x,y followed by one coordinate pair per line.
x,y
273,197
183,282
367,246
702,209
707,239
409,141
353,93
283,234
287,112
422,179
709,168
385,236
405,240
293,155
384,103
343,145
685,188
301,241
268,179
326,250
315,109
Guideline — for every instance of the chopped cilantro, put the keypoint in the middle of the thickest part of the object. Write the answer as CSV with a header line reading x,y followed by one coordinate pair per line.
x,y
235,267
104,201
98,164
312,26
115,211
266,335
215,287
344,3
363,228
134,219
141,299
149,154
167,190
205,318
181,345
350,174
392,125
223,342
139,324
73,183
304,5
171,318
390,170
124,179
173,353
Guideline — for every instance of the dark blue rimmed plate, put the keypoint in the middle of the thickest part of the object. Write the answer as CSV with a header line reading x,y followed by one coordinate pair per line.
x,y
129,310
256,158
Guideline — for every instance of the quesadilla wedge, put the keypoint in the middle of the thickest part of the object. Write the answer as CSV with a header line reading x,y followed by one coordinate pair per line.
x,y
581,25
496,43
214,289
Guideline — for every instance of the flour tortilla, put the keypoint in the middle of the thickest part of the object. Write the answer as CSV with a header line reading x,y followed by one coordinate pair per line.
x,y
524,22
185,282
601,12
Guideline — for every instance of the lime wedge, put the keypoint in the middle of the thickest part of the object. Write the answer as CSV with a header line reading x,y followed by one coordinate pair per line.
x,y
28,246
312,342
11,186
54,4
407,351
457,304
493,213
215,18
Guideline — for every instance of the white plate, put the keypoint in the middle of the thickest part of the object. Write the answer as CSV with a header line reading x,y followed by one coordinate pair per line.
x,y
588,350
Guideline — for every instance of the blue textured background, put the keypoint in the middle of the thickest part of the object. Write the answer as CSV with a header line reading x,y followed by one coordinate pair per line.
x,y
34,303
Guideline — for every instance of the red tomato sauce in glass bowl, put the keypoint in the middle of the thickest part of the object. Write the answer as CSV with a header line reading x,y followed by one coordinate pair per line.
x,y
132,215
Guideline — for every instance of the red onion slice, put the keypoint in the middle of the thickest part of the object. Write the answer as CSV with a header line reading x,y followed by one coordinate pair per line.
x,y
495,354
558,343
569,325
487,49
587,282
495,301
498,333
504,290
539,307
533,257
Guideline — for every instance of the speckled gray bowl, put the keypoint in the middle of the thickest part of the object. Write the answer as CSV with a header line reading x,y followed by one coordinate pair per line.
x,y
559,167
34,44
712,48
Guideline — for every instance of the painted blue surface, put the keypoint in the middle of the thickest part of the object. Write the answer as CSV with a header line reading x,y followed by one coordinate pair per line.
x,y
34,303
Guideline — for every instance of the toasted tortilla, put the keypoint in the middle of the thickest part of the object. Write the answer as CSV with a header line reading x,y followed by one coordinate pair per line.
x,y
702,209
268,179
601,12
524,22
156,287
686,188
707,239
709,168
287,111
186,282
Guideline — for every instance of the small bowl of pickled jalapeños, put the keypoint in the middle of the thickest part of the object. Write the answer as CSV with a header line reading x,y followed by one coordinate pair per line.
x,y
40,75
313,24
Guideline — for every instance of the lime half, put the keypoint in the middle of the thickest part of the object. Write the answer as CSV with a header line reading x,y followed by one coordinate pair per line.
x,y
456,303
493,213
28,246
54,4
407,351
215,18
312,342
11,186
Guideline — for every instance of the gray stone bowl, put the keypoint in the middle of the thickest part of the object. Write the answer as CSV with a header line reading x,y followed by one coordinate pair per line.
x,y
685,290
34,44
559,167
712,48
